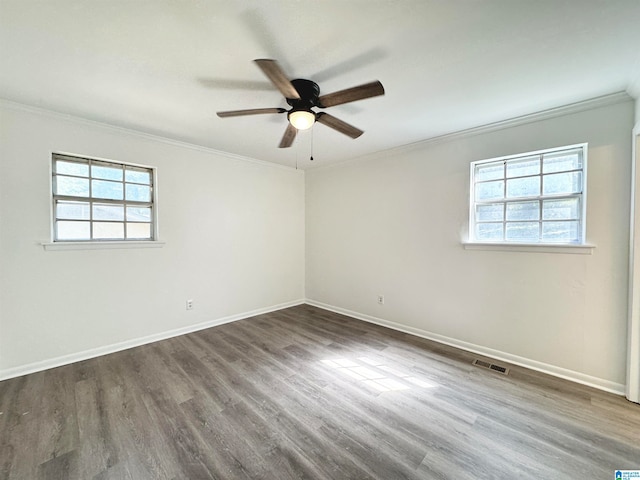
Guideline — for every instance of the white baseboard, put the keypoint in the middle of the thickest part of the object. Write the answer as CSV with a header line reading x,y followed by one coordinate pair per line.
x,y
560,372
136,342
599,383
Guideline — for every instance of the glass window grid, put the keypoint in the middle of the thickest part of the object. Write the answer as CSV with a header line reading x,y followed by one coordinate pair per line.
x,y
504,201
90,200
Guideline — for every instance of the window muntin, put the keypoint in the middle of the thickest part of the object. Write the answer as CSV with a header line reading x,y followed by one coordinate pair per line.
x,y
535,197
99,200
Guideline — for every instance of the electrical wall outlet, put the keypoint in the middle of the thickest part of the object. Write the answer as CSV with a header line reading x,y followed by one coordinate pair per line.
x,y
189,304
381,299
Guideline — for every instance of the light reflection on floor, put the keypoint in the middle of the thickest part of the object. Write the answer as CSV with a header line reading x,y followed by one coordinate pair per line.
x,y
377,374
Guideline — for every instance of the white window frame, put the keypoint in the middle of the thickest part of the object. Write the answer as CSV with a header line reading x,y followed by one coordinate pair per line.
x,y
554,247
93,243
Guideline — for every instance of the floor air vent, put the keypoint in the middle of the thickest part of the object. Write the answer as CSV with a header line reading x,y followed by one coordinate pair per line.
x,y
491,366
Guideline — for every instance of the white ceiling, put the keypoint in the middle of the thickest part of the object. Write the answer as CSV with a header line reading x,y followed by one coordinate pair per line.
x,y
166,67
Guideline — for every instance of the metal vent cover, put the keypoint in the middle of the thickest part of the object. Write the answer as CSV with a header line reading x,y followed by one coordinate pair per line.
x,y
491,366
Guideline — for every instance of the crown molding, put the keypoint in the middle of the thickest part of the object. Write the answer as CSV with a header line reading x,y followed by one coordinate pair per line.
x,y
572,108
21,107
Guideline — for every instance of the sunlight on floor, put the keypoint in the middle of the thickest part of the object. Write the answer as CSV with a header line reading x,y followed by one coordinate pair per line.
x,y
376,374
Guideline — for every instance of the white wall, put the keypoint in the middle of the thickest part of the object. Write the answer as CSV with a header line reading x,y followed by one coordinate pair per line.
x,y
388,224
393,224
234,233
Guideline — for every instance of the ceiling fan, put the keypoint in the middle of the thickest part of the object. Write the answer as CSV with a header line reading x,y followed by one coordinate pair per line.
x,y
303,95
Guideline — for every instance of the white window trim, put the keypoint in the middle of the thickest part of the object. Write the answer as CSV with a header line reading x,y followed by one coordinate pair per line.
x,y
53,245
578,249
571,248
97,245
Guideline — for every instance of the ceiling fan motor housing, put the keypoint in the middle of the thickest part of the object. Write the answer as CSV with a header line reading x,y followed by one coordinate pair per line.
x,y
309,92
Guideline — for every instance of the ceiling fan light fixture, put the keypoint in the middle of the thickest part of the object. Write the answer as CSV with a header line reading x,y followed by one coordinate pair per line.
x,y
303,95
302,119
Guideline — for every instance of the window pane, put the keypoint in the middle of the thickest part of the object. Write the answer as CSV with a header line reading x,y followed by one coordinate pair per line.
x,y
523,187
562,183
523,211
105,189
73,230
562,161
75,187
489,171
489,231
139,214
108,230
72,210
101,211
72,168
489,190
139,193
522,231
108,212
107,173
562,209
137,176
523,167
138,230
529,198
492,212
560,231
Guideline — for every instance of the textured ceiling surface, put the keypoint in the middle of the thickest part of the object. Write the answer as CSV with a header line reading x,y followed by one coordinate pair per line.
x,y
166,67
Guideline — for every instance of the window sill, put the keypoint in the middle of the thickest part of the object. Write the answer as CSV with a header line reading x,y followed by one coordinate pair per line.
x,y
101,245
531,247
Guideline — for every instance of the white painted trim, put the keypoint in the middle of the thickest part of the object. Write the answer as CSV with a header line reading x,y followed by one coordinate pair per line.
x,y
136,342
49,246
11,105
531,247
473,242
559,372
572,108
633,335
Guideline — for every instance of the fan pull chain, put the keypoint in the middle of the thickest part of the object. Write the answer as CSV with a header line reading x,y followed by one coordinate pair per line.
x,y
311,156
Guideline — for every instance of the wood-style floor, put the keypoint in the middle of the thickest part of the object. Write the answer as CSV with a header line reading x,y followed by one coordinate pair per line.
x,y
305,393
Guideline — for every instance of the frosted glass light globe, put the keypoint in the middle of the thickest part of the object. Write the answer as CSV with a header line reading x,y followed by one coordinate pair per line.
x,y
302,119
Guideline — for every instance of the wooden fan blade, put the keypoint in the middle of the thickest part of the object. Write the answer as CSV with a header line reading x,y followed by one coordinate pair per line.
x,y
339,125
360,92
253,111
288,137
273,71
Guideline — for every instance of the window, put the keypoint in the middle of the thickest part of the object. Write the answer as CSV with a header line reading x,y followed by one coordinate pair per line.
x,y
535,197
99,200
